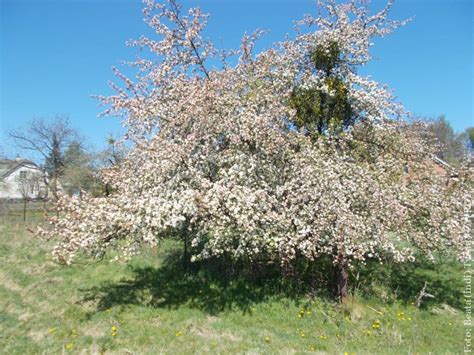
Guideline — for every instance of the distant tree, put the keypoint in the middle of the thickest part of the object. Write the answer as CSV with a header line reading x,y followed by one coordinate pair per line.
x,y
49,139
470,138
451,147
114,153
109,159
79,172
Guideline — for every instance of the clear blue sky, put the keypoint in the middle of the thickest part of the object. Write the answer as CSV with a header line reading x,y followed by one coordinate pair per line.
x,y
56,53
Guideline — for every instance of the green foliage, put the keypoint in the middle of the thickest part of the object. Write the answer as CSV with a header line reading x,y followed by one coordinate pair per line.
x,y
470,136
318,111
54,162
79,171
326,58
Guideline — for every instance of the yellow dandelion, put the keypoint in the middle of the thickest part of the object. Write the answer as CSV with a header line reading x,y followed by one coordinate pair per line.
x,y
69,346
178,334
51,330
409,318
450,323
302,334
267,339
323,337
114,328
308,312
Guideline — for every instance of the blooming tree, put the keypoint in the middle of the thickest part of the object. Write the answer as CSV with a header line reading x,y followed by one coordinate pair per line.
x,y
230,158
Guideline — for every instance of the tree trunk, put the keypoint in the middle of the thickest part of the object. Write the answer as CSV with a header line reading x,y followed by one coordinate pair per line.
x,y
24,210
185,254
341,278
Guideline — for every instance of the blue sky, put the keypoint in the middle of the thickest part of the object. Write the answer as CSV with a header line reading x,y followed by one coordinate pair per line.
x,y
56,53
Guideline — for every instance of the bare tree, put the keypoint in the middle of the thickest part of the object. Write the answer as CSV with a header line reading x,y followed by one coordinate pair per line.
x,y
2,153
49,139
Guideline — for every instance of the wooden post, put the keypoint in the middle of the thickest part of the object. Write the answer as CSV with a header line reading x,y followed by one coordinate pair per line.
x,y
24,209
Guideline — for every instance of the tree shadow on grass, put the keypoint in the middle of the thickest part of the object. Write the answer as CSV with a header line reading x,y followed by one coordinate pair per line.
x,y
444,280
211,286
219,284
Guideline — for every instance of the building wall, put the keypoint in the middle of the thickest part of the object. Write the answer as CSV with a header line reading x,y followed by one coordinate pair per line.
x,y
10,186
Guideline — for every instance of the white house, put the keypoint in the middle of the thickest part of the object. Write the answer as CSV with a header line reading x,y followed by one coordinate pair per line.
x,y
20,178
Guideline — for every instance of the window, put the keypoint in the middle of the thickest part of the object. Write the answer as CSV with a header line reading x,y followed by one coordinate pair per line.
x,y
23,174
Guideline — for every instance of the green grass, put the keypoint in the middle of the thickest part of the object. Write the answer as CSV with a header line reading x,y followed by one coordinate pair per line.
x,y
157,308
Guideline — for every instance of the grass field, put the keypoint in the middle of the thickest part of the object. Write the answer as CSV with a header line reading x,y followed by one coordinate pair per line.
x,y
151,306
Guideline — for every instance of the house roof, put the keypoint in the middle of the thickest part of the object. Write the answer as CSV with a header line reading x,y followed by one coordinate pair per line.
x,y
8,166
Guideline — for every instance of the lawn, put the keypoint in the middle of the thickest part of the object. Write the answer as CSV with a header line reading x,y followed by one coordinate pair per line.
x,y
151,306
